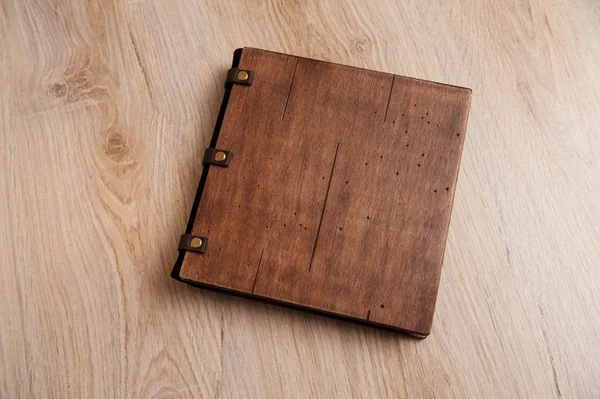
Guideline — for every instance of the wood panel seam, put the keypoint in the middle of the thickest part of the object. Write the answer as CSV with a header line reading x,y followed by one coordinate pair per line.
x,y
290,89
257,269
387,107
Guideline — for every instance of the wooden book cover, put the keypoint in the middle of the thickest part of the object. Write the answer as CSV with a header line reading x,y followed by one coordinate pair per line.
x,y
329,188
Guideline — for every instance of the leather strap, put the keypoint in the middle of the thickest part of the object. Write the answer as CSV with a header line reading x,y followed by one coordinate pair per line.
x,y
189,242
239,76
214,156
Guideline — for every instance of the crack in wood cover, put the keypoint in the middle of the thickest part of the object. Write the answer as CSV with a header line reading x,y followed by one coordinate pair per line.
x,y
337,147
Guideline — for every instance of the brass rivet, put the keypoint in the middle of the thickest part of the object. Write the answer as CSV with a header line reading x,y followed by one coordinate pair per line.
x,y
196,242
242,75
220,156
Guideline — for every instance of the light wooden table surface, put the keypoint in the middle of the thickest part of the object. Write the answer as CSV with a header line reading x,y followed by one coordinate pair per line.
x,y
106,110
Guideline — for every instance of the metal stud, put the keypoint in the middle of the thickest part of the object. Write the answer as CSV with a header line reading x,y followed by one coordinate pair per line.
x,y
220,156
242,75
196,242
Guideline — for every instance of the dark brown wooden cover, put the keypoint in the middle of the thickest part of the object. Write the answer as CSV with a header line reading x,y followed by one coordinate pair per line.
x,y
339,190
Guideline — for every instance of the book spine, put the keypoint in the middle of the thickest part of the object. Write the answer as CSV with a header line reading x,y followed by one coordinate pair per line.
x,y
213,142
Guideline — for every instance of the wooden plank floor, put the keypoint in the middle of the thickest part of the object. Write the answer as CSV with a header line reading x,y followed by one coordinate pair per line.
x,y
106,110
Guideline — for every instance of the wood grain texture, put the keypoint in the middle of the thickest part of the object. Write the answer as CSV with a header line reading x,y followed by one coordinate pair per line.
x,y
339,195
106,110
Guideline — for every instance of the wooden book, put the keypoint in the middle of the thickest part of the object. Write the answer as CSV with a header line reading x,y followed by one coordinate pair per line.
x,y
328,187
